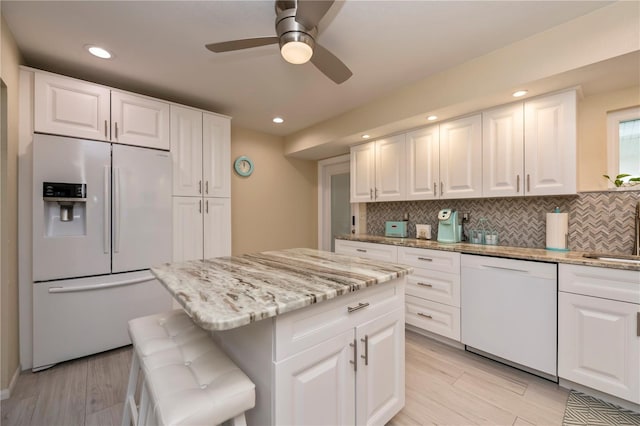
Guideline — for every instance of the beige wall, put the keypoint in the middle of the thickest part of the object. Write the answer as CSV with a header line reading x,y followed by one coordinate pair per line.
x,y
592,134
276,207
9,354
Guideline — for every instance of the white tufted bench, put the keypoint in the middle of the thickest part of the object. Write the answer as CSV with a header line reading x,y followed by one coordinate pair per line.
x,y
187,379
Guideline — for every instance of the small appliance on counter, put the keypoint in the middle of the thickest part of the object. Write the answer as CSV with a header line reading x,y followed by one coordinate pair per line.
x,y
396,229
557,230
423,232
449,229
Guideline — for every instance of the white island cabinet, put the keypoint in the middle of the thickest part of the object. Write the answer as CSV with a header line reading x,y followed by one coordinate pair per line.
x,y
320,334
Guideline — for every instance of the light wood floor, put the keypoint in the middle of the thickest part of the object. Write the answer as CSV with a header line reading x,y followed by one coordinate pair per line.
x,y
443,386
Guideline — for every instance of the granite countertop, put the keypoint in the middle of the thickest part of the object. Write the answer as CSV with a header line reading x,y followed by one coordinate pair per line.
x,y
571,257
229,292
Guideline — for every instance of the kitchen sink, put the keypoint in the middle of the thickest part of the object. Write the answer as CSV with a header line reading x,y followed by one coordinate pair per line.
x,y
611,257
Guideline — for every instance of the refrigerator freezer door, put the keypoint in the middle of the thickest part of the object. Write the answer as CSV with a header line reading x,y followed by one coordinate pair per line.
x,y
81,246
75,318
141,208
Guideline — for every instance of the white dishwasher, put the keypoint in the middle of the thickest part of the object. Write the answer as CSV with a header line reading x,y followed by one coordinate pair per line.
x,y
509,309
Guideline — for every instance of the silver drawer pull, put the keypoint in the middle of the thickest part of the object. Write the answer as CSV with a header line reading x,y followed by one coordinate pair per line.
x,y
425,284
361,250
425,315
357,308
426,259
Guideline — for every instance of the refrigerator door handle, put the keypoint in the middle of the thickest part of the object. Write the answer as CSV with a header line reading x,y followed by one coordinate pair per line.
x,y
116,205
99,286
106,239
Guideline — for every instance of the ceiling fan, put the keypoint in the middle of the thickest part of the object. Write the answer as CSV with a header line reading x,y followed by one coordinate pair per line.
x,y
297,30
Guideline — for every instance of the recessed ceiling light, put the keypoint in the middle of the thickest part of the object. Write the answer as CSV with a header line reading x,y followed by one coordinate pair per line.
x,y
278,120
519,93
366,136
432,117
98,51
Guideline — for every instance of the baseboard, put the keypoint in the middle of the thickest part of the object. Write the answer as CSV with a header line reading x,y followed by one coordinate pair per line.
x,y
6,393
447,341
568,384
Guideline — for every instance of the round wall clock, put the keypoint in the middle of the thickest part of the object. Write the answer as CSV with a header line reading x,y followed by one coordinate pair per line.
x,y
243,166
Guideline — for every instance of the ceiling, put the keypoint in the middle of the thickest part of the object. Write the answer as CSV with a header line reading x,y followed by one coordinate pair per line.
x,y
159,49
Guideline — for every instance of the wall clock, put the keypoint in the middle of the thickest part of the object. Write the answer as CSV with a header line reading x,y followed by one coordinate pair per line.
x,y
243,166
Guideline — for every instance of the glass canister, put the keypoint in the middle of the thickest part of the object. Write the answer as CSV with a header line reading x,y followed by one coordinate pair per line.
x,y
476,236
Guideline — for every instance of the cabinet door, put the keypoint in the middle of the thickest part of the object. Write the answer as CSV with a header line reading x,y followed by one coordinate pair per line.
x,y
461,158
217,227
187,228
390,174
216,155
69,107
362,172
380,376
316,387
550,145
186,151
599,344
423,164
503,151
137,120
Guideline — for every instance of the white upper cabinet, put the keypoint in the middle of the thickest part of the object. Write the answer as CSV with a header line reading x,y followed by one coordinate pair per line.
x,y
378,170
550,144
186,151
216,155
461,158
503,151
201,150
423,163
69,107
390,169
363,172
138,120
65,106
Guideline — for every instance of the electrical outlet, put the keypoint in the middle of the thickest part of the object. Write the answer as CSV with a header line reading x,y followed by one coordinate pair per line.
x,y
465,216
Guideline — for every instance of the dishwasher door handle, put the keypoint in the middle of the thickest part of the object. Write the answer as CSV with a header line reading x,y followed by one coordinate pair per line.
x,y
502,268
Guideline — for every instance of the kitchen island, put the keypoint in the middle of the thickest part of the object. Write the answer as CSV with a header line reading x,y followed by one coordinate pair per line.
x,y
320,334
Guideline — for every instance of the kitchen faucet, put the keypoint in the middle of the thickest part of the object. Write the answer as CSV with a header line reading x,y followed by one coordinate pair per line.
x,y
636,242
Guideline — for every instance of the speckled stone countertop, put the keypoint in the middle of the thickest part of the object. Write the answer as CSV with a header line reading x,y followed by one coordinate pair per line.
x,y
572,257
229,292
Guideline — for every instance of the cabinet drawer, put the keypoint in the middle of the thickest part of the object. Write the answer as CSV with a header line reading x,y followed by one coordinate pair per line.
x,y
434,260
382,252
614,284
434,317
301,329
435,286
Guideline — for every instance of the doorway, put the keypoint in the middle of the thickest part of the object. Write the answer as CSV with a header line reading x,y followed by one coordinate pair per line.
x,y
334,208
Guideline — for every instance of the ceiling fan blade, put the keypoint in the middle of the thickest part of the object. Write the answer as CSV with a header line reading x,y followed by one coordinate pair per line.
x,y
310,12
330,65
227,46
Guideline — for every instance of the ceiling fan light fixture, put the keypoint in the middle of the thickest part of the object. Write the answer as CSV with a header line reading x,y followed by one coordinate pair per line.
x,y
296,52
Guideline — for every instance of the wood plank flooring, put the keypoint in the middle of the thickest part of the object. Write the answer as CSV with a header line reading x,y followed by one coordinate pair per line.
x,y
443,386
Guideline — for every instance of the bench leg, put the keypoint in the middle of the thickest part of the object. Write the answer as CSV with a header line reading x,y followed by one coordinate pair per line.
x,y
238,421
128,412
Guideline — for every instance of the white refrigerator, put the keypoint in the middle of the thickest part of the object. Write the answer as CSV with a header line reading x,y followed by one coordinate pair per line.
x,y
101,219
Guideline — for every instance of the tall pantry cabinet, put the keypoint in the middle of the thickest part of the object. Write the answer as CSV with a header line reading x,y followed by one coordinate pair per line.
x,y
200,148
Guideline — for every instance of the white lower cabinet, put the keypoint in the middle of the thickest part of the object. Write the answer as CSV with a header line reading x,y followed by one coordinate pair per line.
x,y
599,329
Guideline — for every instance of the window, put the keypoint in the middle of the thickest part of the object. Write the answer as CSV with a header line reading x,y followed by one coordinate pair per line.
x,y
623,143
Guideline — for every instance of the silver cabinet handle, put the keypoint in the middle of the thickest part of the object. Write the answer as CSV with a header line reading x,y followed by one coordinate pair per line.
x,y
357,308
425,315
371,193
441,188
199,187
199,206
366,349
116,130
518,183
528,183
638,324
355,355
206,207
361,250
105,129
206,187
425,284
426,259
435,189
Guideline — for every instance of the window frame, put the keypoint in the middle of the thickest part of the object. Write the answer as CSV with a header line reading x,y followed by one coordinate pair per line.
x,y
614,118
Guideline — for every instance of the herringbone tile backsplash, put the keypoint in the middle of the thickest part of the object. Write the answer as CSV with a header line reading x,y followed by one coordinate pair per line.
x,y
598,221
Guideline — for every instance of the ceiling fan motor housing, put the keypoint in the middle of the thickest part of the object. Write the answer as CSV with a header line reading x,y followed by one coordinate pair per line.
x,y
288,29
